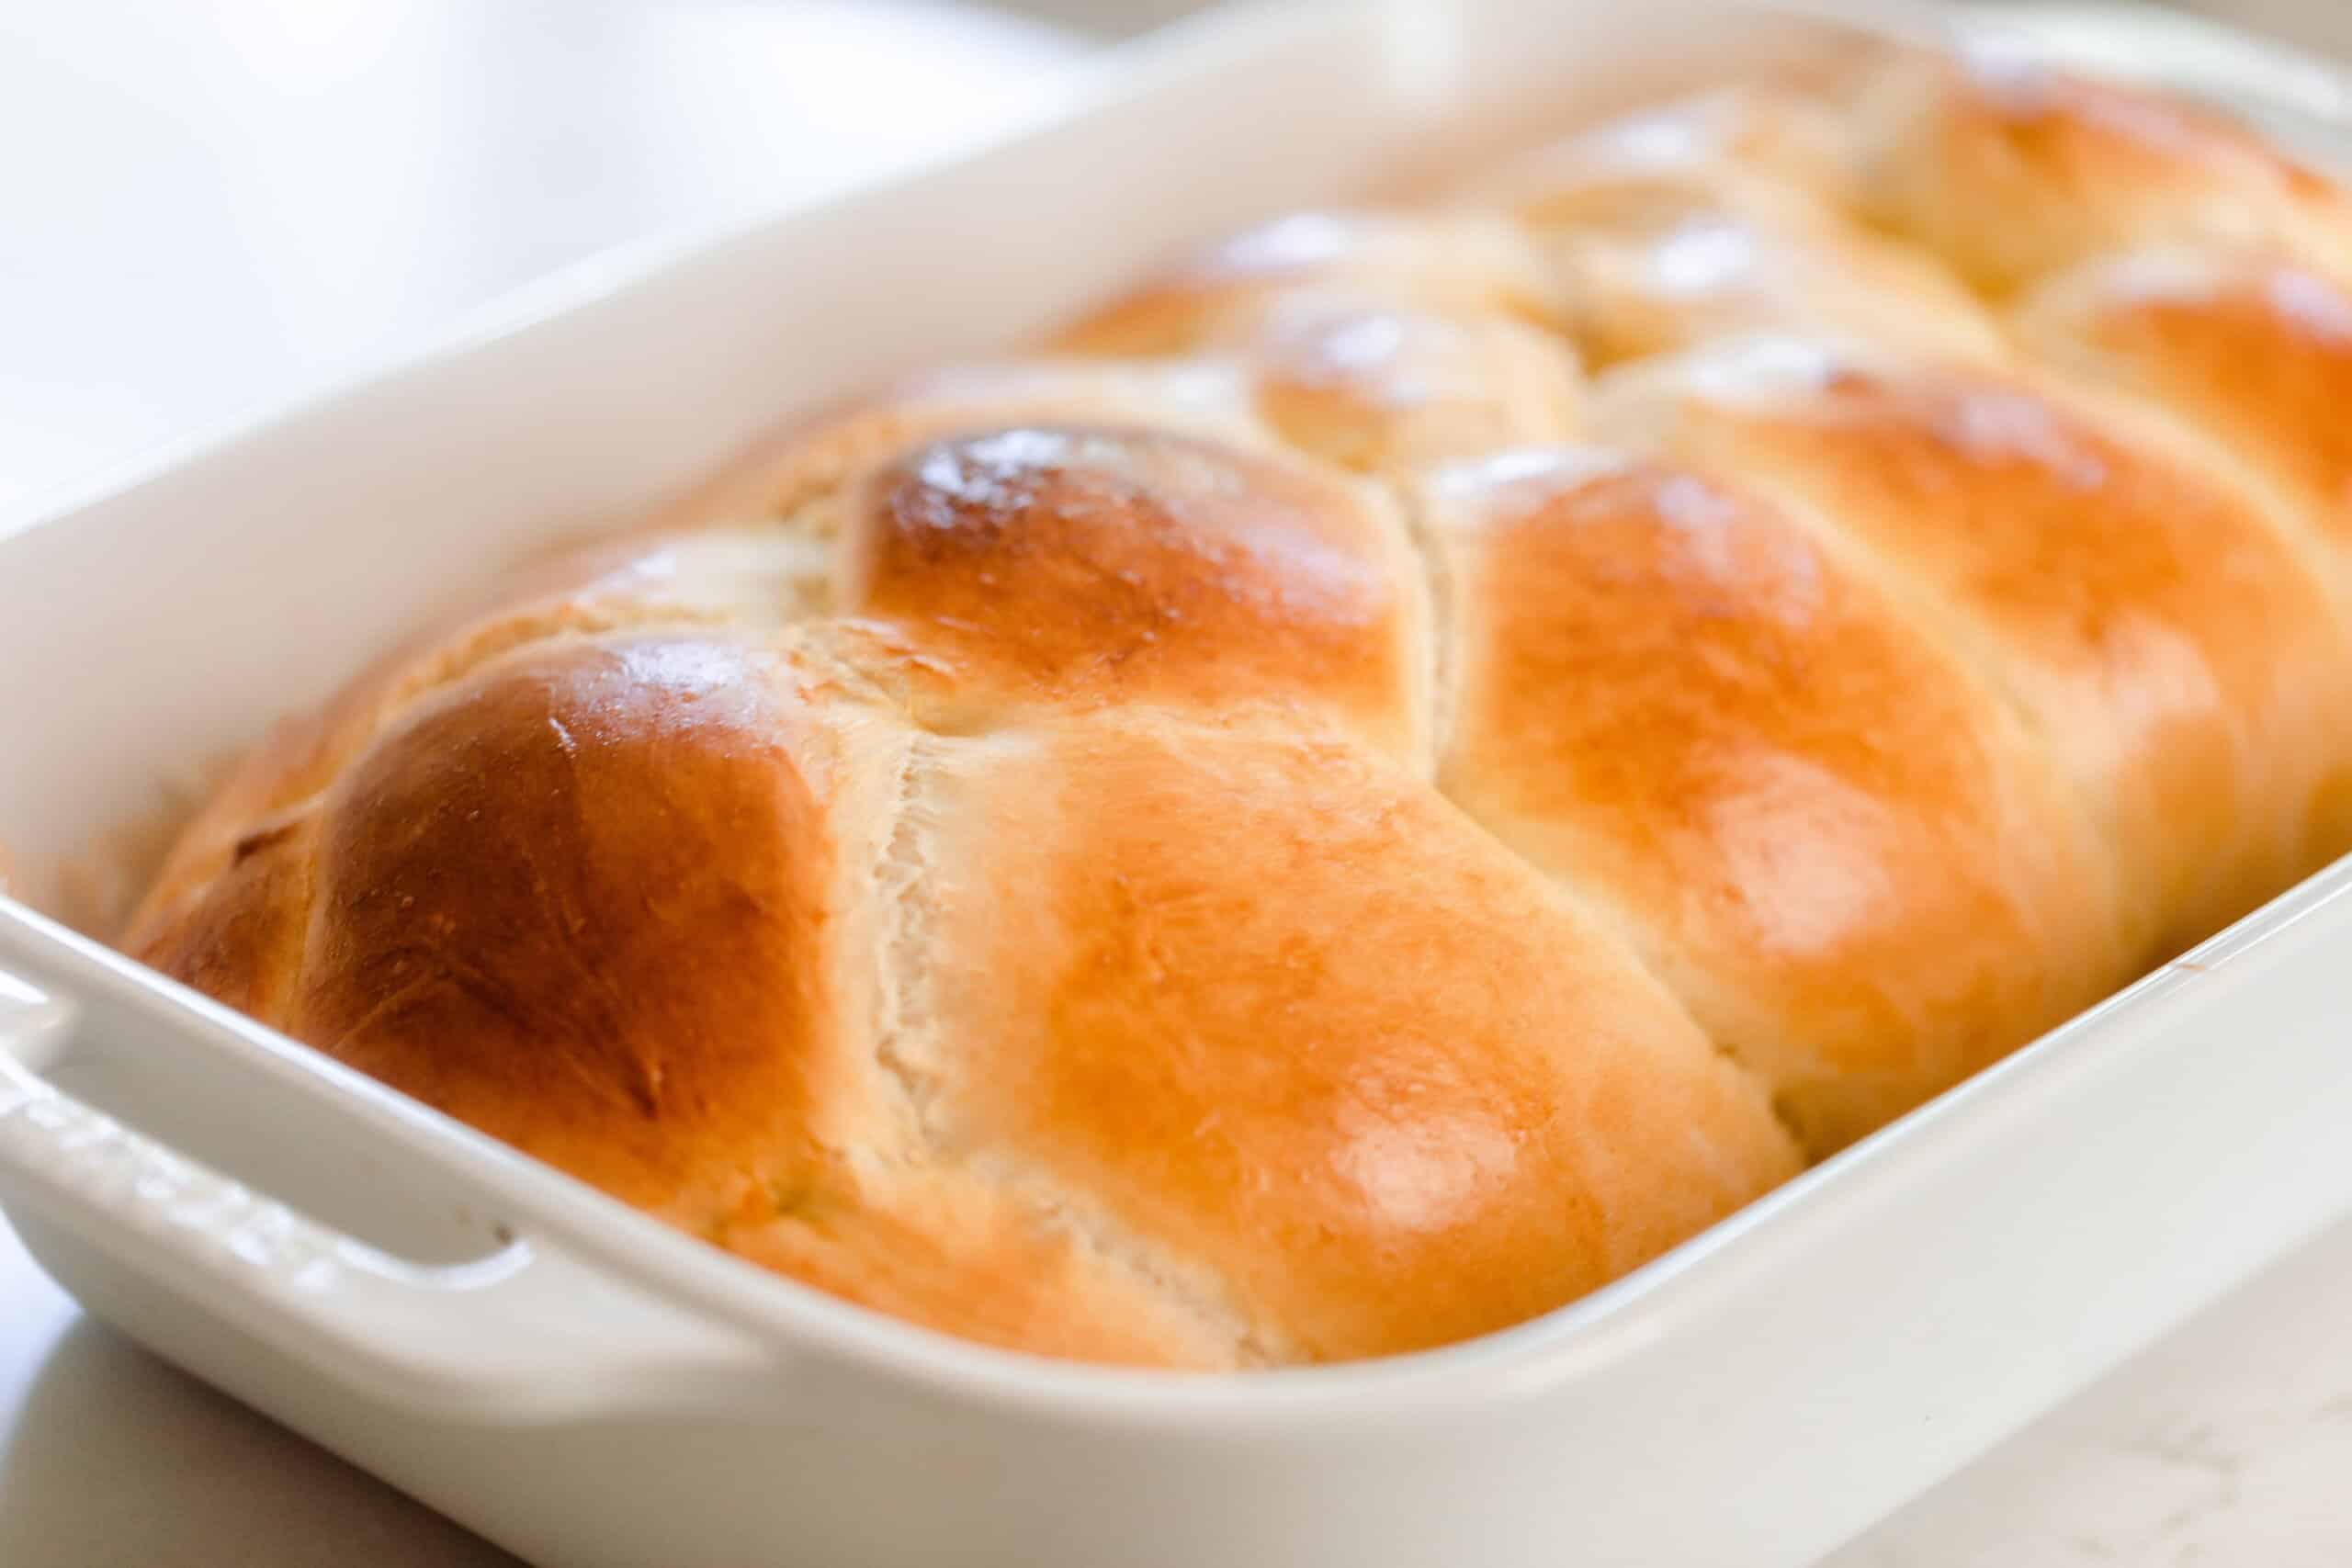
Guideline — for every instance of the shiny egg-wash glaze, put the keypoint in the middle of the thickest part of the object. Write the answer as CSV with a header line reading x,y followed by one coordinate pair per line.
x,y
1402,769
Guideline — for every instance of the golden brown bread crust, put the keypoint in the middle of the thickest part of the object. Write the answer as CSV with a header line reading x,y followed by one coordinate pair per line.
x,y
2012,172
1837,843
1702,220
609,869
968,1255
1731,147
582,897
1653,287
1078,566
798,474
1389,392
1297,828
2255,350
1282,1010
2179,655
1374,341
1460,266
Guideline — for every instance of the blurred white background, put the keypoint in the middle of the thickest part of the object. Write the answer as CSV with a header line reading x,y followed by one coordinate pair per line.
x,y
208,203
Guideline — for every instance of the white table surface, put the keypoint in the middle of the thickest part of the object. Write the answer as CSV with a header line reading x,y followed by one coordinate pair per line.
x,y
206,206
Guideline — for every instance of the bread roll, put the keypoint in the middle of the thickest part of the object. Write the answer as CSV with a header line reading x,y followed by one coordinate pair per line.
x,y
1401,770
2181,658
1835,840
1705,220
2012,171
1376,341
2255,352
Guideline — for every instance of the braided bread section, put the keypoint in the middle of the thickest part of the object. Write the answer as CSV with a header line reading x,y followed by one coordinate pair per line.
x,y
1398,771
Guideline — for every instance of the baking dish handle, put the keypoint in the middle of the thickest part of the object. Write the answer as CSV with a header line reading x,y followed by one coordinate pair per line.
x,y
525,1333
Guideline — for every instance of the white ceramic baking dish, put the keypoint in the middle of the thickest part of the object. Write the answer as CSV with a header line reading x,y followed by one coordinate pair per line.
x,y
587,1388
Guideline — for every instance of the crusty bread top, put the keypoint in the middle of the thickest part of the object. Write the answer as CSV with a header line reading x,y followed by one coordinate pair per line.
x,y
1401,769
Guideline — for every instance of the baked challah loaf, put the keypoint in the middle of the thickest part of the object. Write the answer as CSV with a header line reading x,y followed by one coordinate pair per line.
x,y
1398,771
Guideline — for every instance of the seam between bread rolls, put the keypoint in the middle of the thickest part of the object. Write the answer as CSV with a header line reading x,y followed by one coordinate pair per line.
x,y
1403,504
1191,1289
1442,656
903,1014
907,1037
1401,492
